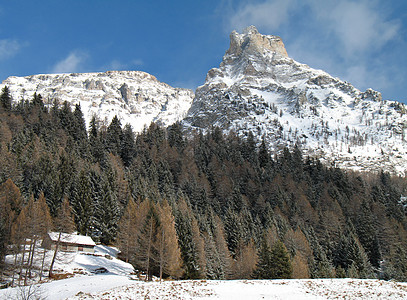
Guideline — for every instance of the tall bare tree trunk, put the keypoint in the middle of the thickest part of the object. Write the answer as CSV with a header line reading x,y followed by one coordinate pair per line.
x,y
42,264
17,250
31,260
149,277
28,262
22,263
161,254
55,255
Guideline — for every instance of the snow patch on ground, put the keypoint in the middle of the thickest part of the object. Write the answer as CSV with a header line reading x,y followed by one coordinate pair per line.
x,y
122,287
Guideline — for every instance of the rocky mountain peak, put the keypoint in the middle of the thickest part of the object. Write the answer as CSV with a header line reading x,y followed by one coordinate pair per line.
x,y
259,89
252,42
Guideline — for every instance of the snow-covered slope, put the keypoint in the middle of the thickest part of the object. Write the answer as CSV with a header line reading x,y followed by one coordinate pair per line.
x,y
135,97
259,88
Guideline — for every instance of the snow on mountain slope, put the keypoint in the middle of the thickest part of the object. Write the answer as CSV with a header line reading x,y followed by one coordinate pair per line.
x,y
259,88
135,97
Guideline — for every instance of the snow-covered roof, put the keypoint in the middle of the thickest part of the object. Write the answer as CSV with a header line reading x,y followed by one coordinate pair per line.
x,y
72,238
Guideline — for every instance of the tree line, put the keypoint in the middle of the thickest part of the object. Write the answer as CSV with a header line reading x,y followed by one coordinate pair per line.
x,y
204,205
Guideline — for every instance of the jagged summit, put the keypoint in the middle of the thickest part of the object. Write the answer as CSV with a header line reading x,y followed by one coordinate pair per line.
x,y
251,41
258,88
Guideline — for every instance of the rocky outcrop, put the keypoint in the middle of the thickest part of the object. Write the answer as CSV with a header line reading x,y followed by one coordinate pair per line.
x,y
137,98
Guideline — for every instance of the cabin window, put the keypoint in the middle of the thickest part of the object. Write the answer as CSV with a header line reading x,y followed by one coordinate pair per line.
x,y
80,248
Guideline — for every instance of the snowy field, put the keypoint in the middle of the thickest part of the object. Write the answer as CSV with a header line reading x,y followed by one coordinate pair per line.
x,y
118,283
122,287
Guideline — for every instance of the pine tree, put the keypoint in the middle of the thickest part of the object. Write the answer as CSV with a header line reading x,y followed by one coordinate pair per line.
x,y
5,98
114,136
106,215
245,261
169,251
147,256
281,267
127,147
264,265
81,204
264,155
190,242
78,125
95,141
127,231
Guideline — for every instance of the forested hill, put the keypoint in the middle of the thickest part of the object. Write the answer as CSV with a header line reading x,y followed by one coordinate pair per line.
x,y
211,206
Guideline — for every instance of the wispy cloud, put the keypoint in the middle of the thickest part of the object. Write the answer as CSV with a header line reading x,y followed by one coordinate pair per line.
x,y
358,25
137,62
9,48
267,14
118,65
72,63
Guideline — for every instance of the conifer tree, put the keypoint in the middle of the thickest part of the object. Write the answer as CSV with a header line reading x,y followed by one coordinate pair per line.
x,y
280,266
127,146
114,136
5,98
127,231
169,251
81,204
106,215
264,265
245,261
190,242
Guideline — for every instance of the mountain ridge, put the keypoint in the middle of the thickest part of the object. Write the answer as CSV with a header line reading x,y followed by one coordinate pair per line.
x,y
256,88
136,97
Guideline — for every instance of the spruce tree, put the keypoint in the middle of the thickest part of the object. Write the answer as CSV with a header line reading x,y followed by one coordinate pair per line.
x,y
264,265
114,136
5,98
280,266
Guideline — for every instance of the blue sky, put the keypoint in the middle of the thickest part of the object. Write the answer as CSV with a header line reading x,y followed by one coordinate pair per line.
x,y
360,41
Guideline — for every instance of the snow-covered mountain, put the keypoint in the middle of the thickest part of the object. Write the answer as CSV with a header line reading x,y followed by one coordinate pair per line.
x,y
135,97
259,88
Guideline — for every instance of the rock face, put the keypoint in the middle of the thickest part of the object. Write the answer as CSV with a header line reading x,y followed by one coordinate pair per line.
x,y
258,88
135,97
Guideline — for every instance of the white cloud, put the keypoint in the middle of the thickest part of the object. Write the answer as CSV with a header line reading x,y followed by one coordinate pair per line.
x,y
72,63
9,48
137,62
118,65
269,14
358,25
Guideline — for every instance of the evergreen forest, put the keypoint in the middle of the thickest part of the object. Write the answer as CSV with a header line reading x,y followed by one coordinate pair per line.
x,y
204,205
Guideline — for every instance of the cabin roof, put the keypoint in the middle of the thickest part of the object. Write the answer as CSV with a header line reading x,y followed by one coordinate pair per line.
x,y
72,238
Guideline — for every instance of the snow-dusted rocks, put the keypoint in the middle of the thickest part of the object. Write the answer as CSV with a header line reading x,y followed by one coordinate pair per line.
x,y
135,97
258,88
